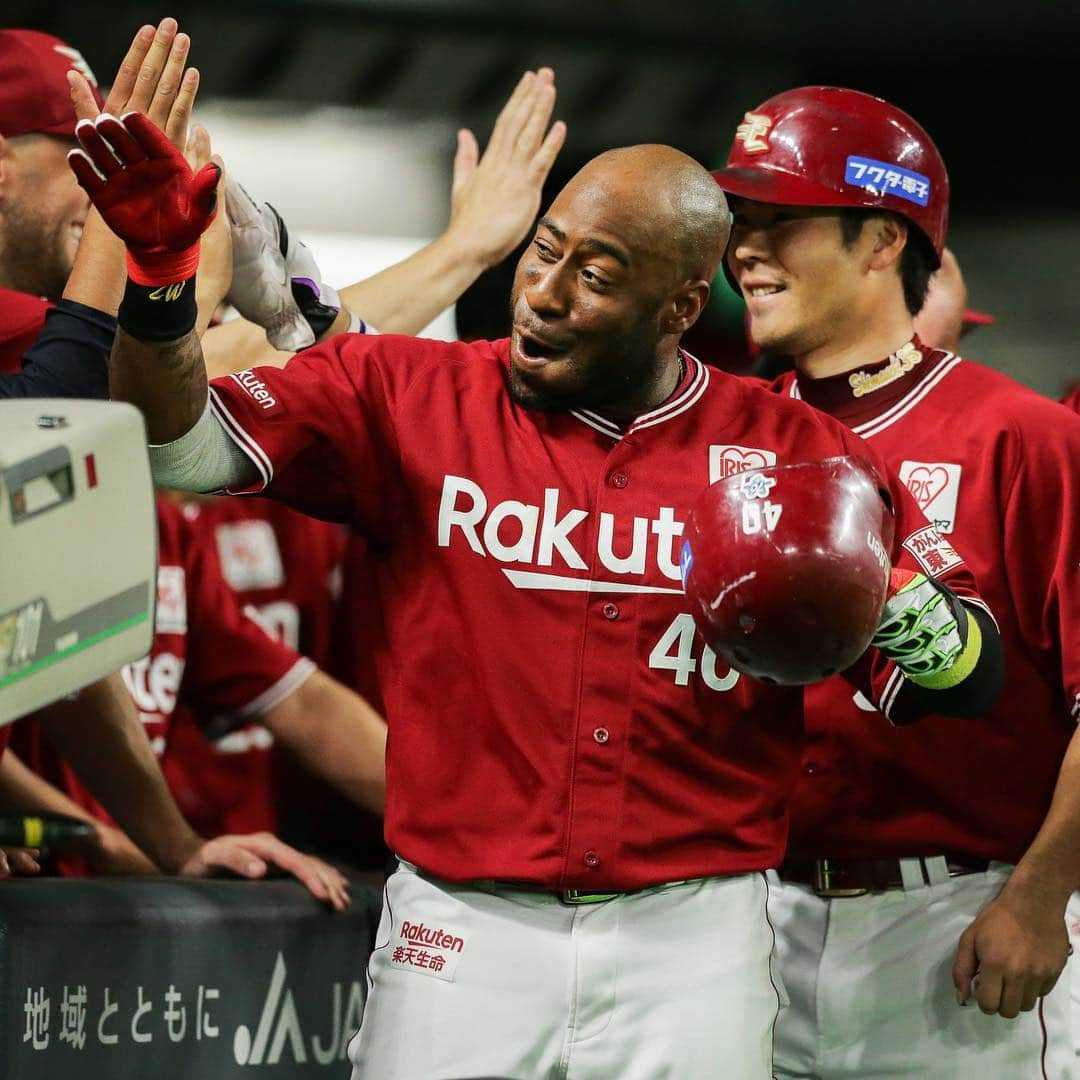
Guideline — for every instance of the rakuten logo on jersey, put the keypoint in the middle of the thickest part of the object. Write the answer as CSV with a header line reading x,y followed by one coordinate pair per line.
x,y
254,387
548,535
154,683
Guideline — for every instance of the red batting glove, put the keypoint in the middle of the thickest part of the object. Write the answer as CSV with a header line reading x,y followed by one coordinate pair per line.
x,y
147,194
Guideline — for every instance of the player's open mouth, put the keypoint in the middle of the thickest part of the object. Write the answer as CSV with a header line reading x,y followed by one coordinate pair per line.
x,y
536,351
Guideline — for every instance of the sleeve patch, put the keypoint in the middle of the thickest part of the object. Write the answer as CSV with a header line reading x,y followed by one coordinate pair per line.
x,y
935,555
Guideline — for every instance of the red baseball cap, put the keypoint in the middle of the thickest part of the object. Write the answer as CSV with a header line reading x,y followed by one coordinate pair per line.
x,y
34,94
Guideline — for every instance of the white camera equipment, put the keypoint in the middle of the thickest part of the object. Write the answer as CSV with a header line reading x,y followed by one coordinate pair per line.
x,y
78,547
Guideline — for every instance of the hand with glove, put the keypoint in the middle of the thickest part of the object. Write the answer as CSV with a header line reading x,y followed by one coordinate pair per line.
x,y
276,282
150,198
925,629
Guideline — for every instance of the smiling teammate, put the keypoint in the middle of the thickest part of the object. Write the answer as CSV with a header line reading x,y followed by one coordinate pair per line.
x,y
903,841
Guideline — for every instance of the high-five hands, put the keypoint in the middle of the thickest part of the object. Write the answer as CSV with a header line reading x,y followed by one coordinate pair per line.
x,y
147,193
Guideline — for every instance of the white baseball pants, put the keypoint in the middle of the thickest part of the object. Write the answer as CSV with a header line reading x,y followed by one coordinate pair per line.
x,y
487,981
871,991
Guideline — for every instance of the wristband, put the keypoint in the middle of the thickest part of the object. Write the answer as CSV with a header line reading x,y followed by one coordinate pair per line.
x,y
162,312
165,268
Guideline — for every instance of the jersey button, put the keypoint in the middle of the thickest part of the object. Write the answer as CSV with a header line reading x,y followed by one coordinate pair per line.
x,y
810,768
591,859
619,479
601,735
610,610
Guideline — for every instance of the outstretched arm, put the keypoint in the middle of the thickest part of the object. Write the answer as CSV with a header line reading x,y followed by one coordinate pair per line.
x,y
151,199
110,851
102,738
336,735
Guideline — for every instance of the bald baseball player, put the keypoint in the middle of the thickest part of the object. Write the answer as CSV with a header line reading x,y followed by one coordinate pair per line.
x,y
582,799
905,842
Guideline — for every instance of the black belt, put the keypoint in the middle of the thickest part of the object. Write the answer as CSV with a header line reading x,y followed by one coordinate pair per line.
x,y
584,896
856,877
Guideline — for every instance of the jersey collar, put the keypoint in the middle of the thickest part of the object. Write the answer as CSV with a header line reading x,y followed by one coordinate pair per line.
x,y
691,386
874,396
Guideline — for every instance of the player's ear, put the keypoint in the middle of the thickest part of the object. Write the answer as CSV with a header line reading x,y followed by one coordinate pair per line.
x,y
890,236
684,307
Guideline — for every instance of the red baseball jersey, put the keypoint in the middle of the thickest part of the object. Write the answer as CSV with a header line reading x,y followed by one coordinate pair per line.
x,y
1072,400
284,568
554,718
995,467
208,660
21,318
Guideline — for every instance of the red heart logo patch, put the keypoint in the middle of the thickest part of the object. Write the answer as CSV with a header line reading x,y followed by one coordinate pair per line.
x,y
927,484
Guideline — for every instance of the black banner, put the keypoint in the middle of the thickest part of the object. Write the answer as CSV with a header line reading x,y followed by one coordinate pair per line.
x,y
167,978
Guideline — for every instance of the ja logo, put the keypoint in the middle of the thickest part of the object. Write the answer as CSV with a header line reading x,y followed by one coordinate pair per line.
x,y
247,1052
279,1024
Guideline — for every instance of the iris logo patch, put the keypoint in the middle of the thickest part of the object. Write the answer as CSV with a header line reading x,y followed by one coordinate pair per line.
x,y
725,461
936,487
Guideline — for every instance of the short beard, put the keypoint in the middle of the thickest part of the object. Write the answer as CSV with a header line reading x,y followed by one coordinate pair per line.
x,y
31,260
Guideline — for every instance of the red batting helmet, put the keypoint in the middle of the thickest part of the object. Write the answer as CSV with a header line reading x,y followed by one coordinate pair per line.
x,y
787,567
825,146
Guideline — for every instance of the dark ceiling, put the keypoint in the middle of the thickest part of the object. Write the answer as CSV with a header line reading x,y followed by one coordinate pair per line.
x,y
988,80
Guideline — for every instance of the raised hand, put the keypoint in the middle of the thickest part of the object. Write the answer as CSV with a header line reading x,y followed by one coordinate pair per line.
x,y
147,194
276,282
151,79
495,198
215,247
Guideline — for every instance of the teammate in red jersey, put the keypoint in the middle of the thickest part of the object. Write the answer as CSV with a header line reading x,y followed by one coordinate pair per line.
x,y
581,800
284,569
43,217
212,665
904,840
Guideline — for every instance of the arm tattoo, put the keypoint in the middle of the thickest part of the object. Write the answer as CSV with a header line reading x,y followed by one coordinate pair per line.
x,y
166,380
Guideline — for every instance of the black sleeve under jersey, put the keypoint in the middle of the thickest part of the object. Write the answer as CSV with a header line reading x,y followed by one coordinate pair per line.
x,y
70,357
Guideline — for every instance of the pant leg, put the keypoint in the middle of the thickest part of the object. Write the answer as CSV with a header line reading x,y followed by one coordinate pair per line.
x,y
886,1005
1072,972
464,983
675,984
800,920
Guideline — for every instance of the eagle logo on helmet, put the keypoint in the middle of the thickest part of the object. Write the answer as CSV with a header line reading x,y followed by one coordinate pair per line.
x,y
753,132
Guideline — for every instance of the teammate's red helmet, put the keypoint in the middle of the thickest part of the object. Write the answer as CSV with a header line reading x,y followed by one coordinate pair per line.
x,y
825,146
787,567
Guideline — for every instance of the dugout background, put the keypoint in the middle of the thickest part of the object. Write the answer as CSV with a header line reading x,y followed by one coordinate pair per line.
x,y
988,81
